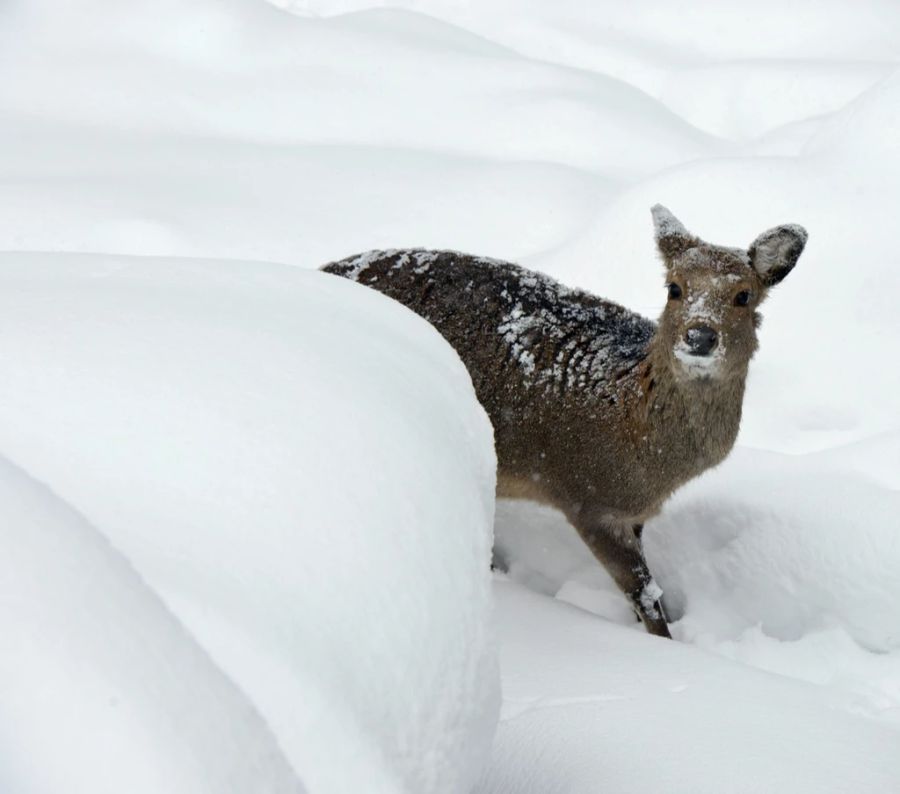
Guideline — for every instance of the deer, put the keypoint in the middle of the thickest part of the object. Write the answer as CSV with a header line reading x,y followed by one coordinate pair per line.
x,y
597,410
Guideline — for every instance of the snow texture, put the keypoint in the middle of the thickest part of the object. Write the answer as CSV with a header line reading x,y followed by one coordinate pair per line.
x,y
620,711
102,688
528,131
299,468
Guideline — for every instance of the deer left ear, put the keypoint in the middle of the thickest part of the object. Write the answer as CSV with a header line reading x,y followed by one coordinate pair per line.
x,y
774,253
671,236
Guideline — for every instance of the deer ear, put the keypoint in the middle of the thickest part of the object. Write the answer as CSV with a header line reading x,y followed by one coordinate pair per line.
x,y
671,236
774,253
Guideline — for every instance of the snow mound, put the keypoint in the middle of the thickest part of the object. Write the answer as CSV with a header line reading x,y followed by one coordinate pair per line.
x,y
480,99
714,65
564,30
863,135
622,711
301,470
103,690
92,194
784,544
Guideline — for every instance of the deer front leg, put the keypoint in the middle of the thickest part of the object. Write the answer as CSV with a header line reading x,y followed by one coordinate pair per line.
x,y
619,550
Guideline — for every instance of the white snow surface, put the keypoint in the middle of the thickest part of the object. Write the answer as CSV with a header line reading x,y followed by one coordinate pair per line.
x,y
102,688
620,711
523,130
286,458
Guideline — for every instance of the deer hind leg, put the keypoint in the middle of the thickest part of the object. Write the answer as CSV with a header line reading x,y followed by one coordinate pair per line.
x,y
619,550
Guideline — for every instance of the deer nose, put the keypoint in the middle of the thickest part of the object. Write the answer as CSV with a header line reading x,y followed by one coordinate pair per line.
x,y
701,340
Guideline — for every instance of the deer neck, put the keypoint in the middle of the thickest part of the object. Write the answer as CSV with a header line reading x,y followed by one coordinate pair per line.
x,y
696,420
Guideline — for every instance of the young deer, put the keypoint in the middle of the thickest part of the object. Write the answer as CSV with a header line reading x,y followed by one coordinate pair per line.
x,y
597,410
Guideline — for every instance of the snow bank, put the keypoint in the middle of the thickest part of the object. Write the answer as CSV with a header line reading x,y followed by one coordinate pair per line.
x,y
156,68
723,70
300,468
103,690
621,711
790,546
328,158
722,30
306,204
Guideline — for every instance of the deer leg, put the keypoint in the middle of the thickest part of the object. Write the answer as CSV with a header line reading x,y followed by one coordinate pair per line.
x,y
619,550
639,534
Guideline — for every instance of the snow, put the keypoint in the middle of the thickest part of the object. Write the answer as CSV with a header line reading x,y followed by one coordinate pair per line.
x,y
174,402
103,690
300,469
617,710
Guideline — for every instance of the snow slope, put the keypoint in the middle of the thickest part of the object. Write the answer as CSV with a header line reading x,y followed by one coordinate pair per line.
x,y
538,132
103,690
287,459
620,711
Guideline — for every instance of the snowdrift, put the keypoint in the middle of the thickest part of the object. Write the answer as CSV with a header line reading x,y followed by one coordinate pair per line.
x,y
103,690
299,467
620,711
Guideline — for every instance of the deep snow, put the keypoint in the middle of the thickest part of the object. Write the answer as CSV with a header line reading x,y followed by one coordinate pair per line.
x,y
541,133
591,706
287,459
102,689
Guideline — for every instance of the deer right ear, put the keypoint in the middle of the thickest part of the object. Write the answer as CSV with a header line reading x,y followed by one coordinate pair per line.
x,y
774,253
671,236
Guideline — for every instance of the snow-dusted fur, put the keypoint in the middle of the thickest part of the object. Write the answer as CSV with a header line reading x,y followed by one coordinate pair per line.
x,y
597,410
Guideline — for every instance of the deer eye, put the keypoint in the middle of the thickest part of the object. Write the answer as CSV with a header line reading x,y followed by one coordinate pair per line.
x,y
674,292
742,298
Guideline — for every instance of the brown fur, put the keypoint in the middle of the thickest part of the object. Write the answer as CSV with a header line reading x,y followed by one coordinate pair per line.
x,y
596,410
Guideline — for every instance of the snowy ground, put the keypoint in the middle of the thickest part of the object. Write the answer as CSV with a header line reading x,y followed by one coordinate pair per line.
x,y
285,458
539,132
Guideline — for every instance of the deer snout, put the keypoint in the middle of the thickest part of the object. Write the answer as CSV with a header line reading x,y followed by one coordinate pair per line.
x,y
701,340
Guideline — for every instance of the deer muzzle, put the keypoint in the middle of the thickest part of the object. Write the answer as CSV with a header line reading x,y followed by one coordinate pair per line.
x,y
701,340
